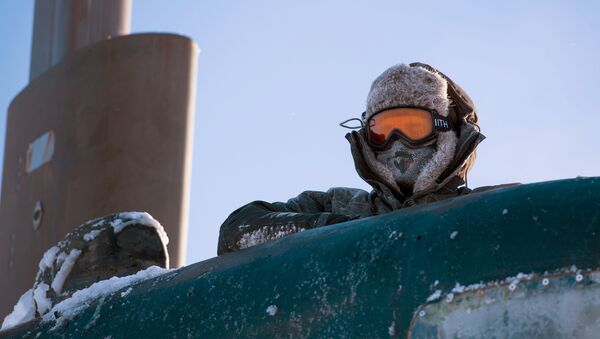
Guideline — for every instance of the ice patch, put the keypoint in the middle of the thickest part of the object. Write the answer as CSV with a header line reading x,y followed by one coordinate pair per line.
x,y
458,288
23,312
41,298
60,258
395,235
65,269
126,292
266,234
272,310
91,235
117,222
392,329
48,258
139,218
520,276
435,296
512,282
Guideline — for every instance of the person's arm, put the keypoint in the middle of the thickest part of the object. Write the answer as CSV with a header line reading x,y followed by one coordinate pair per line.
x,y
259,221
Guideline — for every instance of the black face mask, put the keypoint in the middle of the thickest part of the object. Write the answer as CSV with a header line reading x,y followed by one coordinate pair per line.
x,y
404,163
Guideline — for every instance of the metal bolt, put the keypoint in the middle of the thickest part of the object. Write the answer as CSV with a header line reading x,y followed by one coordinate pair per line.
x,y
545,282
512,286
38,213
578,277
422,313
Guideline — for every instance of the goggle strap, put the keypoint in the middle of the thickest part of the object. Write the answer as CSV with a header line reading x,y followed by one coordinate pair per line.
x,y
347,123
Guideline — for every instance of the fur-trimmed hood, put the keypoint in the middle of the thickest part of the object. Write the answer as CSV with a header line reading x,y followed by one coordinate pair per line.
x,y
448,180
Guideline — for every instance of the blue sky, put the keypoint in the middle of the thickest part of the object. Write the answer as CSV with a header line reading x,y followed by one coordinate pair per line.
x,y
275,78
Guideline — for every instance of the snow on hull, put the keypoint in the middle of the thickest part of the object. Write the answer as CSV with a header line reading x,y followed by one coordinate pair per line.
x,y
65,269
60,313
23,311
57,265
80,300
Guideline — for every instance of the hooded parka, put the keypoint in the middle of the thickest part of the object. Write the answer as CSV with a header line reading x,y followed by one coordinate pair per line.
x,y
259,221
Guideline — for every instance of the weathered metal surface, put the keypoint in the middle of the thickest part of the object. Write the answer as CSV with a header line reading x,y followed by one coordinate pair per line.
x,y
364,278
555,305
61,27
121,116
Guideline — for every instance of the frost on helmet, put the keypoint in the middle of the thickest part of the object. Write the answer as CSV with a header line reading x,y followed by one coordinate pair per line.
x,y
116,245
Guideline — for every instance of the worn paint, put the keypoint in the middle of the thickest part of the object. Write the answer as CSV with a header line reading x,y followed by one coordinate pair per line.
x,y
563,304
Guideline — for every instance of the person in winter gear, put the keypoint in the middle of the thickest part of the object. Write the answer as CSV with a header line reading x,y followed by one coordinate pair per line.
x,y
416,144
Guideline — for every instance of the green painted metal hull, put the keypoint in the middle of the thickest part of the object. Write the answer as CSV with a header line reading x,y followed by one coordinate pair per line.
x,y
358,278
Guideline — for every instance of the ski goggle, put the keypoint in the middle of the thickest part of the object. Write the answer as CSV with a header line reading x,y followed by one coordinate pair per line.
x,y
416,126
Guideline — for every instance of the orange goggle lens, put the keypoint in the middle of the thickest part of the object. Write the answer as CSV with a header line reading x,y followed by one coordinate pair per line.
x,y
414,123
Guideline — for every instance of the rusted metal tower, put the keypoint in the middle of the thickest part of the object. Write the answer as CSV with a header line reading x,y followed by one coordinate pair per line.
x,y
105,125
